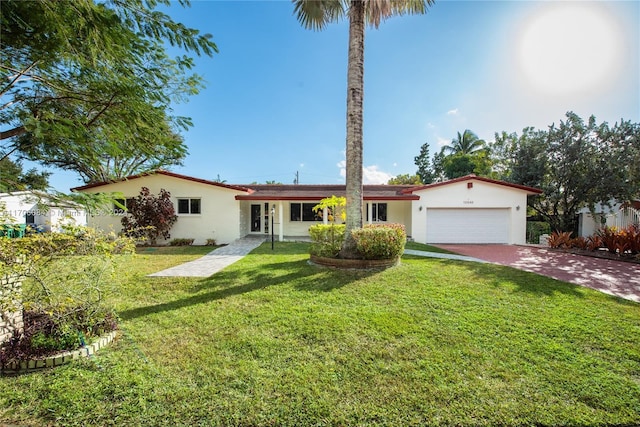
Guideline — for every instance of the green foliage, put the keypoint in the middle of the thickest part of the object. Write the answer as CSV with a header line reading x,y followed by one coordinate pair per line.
x,y
13,178
380,241
66,278
423,162
149,217
334,206
272,340
465,143
535,229
576,164
405,179
327,239
98,102
462,164
181,242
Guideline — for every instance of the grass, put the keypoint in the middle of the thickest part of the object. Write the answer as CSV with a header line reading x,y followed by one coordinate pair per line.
x,y
272,340
426,248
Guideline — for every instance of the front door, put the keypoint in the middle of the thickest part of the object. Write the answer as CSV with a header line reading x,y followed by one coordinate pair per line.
x,y
256,218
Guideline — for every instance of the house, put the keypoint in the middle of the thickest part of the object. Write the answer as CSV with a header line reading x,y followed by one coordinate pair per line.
x,y
39,210
470,209
613,214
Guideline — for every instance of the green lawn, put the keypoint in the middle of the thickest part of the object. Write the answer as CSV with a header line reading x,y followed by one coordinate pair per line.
x,y
272,340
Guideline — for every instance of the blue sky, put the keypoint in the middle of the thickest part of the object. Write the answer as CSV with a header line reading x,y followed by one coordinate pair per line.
x,y
275,101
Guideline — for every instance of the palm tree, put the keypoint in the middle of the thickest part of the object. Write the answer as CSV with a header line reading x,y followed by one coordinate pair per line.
x,y
467,143
316,15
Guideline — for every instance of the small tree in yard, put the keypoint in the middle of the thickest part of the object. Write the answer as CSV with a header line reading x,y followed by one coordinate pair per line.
x,y
149,217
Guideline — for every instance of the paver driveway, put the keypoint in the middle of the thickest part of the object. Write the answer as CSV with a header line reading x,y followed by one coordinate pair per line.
x,y
613,277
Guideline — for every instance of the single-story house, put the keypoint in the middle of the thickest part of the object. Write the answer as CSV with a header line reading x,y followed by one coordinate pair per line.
x,y
469,209
39,210
613,214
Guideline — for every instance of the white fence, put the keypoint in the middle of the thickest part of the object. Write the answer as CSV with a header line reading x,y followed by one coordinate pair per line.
x,y
624,218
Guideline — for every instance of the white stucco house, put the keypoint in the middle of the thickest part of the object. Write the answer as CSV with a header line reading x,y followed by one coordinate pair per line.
x,y
613,214
470,209
38,210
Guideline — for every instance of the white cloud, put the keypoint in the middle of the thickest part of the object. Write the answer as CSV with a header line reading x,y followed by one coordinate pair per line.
x,y
370,174
301,165
442,142
431,125
453,112
342,164
395,164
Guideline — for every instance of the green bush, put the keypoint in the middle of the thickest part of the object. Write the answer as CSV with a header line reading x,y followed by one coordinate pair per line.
x,y
327,239
181,242
380,241
535,229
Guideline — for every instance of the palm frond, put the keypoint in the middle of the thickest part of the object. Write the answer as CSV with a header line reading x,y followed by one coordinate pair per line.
x,y
316,14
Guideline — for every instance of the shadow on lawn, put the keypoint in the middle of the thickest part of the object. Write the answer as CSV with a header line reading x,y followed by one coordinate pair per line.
x,y
498,275
232,282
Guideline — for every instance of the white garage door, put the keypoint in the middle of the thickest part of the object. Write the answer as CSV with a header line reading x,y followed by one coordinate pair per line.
x,y
467,225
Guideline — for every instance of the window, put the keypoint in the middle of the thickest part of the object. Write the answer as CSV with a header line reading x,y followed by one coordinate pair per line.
x,y
378,211
304,212
189,206
117,210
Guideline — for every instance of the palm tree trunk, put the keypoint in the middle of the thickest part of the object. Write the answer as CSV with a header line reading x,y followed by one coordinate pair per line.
x,y
355,95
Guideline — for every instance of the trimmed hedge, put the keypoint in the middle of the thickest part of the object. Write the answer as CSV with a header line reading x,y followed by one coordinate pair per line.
x,y
380,241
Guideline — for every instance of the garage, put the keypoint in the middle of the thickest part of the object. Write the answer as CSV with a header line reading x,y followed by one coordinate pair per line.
x,y
468,225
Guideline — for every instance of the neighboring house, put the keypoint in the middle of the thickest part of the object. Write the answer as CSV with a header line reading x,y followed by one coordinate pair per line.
x,y
615,214
36,209
470,209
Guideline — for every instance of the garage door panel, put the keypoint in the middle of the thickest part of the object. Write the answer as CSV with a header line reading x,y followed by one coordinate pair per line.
x,y
467,225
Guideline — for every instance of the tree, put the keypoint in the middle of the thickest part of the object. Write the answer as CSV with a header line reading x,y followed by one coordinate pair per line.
x,y
425,169
405,179
316,15
462,164
149,217
13,178
466,143
97,102
575,164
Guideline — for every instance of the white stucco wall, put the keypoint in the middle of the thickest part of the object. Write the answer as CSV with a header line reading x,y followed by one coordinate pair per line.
x,y
397,212
47,216
482,195
219,208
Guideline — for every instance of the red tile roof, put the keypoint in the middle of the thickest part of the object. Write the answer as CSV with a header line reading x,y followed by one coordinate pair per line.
x,y
319,192
167,173
316,191
529,190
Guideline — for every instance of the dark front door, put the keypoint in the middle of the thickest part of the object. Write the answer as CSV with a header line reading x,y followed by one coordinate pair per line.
x,y
255,218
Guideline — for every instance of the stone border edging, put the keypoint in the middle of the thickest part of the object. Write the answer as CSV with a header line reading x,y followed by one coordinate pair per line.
x,y
58,359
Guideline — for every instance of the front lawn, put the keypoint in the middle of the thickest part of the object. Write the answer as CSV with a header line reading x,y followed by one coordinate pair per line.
x,y
272,340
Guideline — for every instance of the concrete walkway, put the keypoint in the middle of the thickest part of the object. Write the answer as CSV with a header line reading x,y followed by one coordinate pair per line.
x,y
215,260
443,256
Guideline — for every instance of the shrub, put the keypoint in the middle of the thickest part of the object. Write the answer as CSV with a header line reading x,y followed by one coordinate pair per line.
x,y
327,239
559,239
181,242
380,241
609,238
535,229
149,217
211,242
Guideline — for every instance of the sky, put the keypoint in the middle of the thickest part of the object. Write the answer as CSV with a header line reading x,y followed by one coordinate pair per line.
x,y
275,101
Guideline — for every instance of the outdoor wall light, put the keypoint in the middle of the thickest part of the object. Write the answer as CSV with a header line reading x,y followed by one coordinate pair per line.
x,y
420,208
518,207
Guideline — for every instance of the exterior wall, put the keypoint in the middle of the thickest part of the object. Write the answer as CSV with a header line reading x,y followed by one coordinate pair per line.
x,y
397,212
481,195
10,307
17,205
218,220
588,224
